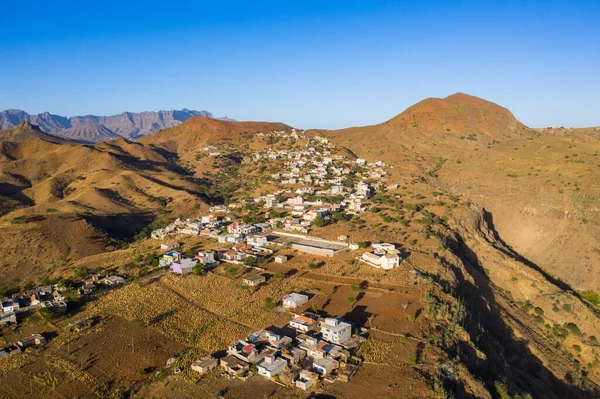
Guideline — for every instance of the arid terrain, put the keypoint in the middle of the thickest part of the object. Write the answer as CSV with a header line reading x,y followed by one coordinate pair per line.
x,y
497,225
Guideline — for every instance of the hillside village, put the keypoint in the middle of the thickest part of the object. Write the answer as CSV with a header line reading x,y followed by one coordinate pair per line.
x,y
299,270
324,187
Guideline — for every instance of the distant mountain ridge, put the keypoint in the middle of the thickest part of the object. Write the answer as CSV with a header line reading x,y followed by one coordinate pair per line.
x,y
130,125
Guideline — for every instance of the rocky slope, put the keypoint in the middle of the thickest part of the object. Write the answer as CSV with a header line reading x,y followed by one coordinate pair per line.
x,y
88,133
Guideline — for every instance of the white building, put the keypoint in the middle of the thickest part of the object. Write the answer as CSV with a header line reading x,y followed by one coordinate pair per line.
x,y
325,366
294,300
303,323
306,379
270,366
336,331
257,241
206,257
385,261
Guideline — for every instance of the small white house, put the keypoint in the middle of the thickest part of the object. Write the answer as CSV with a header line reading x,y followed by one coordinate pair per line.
x,y
325,366
206,257
168,246
257,241
254,280
294,300
385,261
281,259
306,379
270,366
303,323
205,364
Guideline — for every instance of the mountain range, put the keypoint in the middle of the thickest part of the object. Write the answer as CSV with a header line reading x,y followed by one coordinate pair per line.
x,y
94,129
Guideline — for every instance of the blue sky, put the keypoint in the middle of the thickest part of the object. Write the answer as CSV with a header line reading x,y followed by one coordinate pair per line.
x,y
327,64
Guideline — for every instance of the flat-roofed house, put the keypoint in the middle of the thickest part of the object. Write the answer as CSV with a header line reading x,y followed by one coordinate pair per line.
x,y
336,331
294,300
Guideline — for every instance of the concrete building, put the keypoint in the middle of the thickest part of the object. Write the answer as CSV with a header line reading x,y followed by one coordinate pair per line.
x,y
270,366
325,366
336,331
306,379
294,300
205,364
303,322
385,261
254,280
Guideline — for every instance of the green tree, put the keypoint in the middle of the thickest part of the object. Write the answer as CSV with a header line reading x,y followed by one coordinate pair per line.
x,y
319,221
269,303
351,300
200,269
46,314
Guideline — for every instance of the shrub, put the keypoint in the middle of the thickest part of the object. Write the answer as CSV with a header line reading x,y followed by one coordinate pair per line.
x,y
501,390
269,303
199,269
363,244
573,328
592,297
351,300
411,317
319,221
539,311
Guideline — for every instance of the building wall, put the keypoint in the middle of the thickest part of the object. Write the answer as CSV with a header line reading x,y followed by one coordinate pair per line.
x,y
314,250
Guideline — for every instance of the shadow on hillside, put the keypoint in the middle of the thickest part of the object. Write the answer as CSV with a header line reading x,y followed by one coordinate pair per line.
x,y
120,226
508,359
358,315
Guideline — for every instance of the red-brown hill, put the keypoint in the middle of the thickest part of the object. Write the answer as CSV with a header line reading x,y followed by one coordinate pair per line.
x,y
459,113
206,131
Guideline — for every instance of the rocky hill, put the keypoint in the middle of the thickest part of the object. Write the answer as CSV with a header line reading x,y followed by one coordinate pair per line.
x,y
26,131
130,125
88,133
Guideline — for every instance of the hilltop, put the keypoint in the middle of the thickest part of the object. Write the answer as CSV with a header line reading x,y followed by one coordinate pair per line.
x,y
26,131
460,114
204,131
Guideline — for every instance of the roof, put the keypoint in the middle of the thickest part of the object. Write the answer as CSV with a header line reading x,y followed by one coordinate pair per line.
x,y
295,297
304,320
255,277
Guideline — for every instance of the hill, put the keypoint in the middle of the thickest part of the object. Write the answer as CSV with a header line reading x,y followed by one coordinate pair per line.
x,y
130,125
460,114
26,131
537,186
203,131
89,133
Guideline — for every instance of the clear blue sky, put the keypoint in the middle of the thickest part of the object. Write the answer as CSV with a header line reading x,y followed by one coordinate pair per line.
x,y
310,63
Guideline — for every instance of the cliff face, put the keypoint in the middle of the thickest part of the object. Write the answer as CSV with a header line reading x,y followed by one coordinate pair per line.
x,y
529,326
